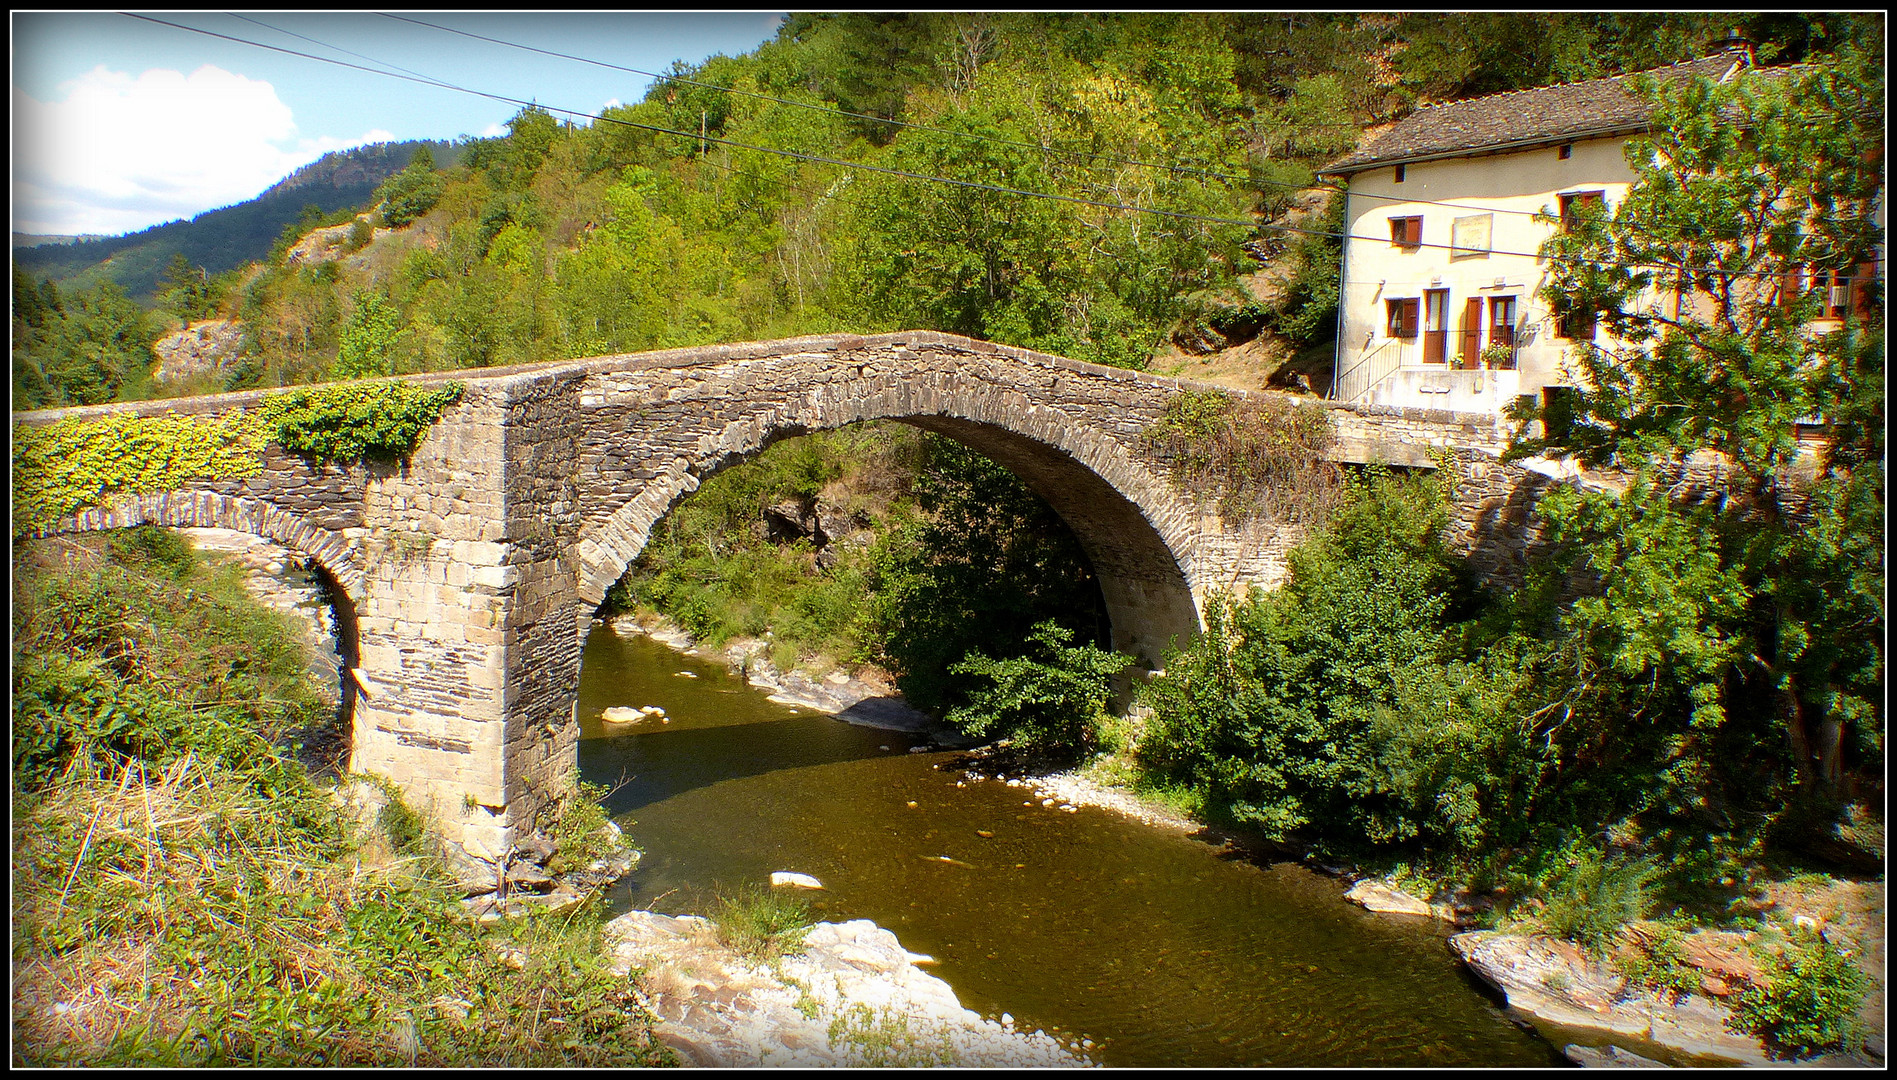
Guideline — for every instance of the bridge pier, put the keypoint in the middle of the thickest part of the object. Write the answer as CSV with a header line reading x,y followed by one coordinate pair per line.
x,y
465,624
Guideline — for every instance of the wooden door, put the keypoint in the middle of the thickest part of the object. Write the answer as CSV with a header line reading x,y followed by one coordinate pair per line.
x,y
1435,325
1472,333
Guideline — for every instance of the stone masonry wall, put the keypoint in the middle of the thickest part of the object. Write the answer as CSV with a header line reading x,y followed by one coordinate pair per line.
x,y
659,425
471,565
541,513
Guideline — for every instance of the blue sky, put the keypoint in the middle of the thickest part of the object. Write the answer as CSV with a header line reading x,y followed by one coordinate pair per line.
x,y
120,124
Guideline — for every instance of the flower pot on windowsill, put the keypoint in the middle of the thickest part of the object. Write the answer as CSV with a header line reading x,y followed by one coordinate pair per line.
x,y
1498,357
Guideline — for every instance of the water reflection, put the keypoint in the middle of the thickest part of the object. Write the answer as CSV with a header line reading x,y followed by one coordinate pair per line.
x,y
1150,942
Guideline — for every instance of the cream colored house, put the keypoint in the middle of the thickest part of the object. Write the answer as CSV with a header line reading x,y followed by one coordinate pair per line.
x,y
1439,301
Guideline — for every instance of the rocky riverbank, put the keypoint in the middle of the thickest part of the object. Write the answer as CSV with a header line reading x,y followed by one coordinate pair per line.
x,y
876,1007
865,696
852,997
1571,996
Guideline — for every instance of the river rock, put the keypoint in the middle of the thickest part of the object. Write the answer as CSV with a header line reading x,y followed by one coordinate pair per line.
x,y
1608,1057
795,881
527,876
623,714
1556,981
852,997
1383,897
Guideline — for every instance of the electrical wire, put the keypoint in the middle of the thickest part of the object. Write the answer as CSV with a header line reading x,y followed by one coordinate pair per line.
x,y
904,174
836,111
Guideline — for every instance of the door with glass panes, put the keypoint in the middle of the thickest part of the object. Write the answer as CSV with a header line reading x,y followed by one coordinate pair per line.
x,y
1435,325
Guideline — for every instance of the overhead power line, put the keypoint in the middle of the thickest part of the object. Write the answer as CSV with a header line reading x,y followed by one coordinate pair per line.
x,y
904,174
1077,154
934,129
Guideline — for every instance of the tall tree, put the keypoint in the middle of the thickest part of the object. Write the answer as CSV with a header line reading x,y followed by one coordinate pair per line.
x,y
1739,281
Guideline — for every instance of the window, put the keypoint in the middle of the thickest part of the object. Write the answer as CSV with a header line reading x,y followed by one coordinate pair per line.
x,y
1839,292
1573,205
1399,174
1576,323
1566,151
1403,316
1407,231
1502,331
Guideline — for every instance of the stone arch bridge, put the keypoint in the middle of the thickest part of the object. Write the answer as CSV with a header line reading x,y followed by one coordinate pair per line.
x,y
466,569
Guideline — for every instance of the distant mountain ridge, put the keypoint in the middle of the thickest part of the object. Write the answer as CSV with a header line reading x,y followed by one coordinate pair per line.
x,y
27,240
230,236
370,164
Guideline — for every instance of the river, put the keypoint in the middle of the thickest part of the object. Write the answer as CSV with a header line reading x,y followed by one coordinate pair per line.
x,y
1161,948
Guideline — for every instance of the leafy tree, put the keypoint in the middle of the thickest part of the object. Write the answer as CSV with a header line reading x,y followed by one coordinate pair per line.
x,y
186,290
81,347
410,193
368,339
609,292
988,562
1764,602
1278,712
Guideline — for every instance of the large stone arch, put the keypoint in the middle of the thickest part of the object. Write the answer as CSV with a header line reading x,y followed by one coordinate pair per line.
x,y
1139,533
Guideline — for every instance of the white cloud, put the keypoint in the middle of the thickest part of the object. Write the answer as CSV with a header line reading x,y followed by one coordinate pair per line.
x,y
120,153
611,103
494,130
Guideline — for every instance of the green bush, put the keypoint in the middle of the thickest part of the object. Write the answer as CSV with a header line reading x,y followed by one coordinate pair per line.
x,y
1274,711
1657,958
349,423
1809,1001
127,646
1590,896
1051,700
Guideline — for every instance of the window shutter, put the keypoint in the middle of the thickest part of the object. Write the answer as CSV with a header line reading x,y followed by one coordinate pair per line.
x,y
1861,290
1403,317
1788,287
1573,205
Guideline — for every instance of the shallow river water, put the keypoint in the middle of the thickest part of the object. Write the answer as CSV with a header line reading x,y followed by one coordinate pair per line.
x,y
1085,924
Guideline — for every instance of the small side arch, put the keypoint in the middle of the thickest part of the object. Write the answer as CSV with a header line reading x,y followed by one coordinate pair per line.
x,y
210,510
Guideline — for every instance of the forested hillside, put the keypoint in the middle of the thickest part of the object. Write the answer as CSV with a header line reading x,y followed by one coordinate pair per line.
x,y
229,237
792,202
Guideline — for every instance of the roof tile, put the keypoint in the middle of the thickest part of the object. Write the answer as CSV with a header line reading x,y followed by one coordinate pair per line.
x,y
1546,113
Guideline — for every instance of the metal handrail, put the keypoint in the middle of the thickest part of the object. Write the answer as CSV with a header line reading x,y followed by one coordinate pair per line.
x,y
1376,366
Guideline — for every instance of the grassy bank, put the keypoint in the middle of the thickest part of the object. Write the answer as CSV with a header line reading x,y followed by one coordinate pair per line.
x,y
186,892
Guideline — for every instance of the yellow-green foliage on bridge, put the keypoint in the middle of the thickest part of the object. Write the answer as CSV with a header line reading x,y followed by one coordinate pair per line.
x,y
67,466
